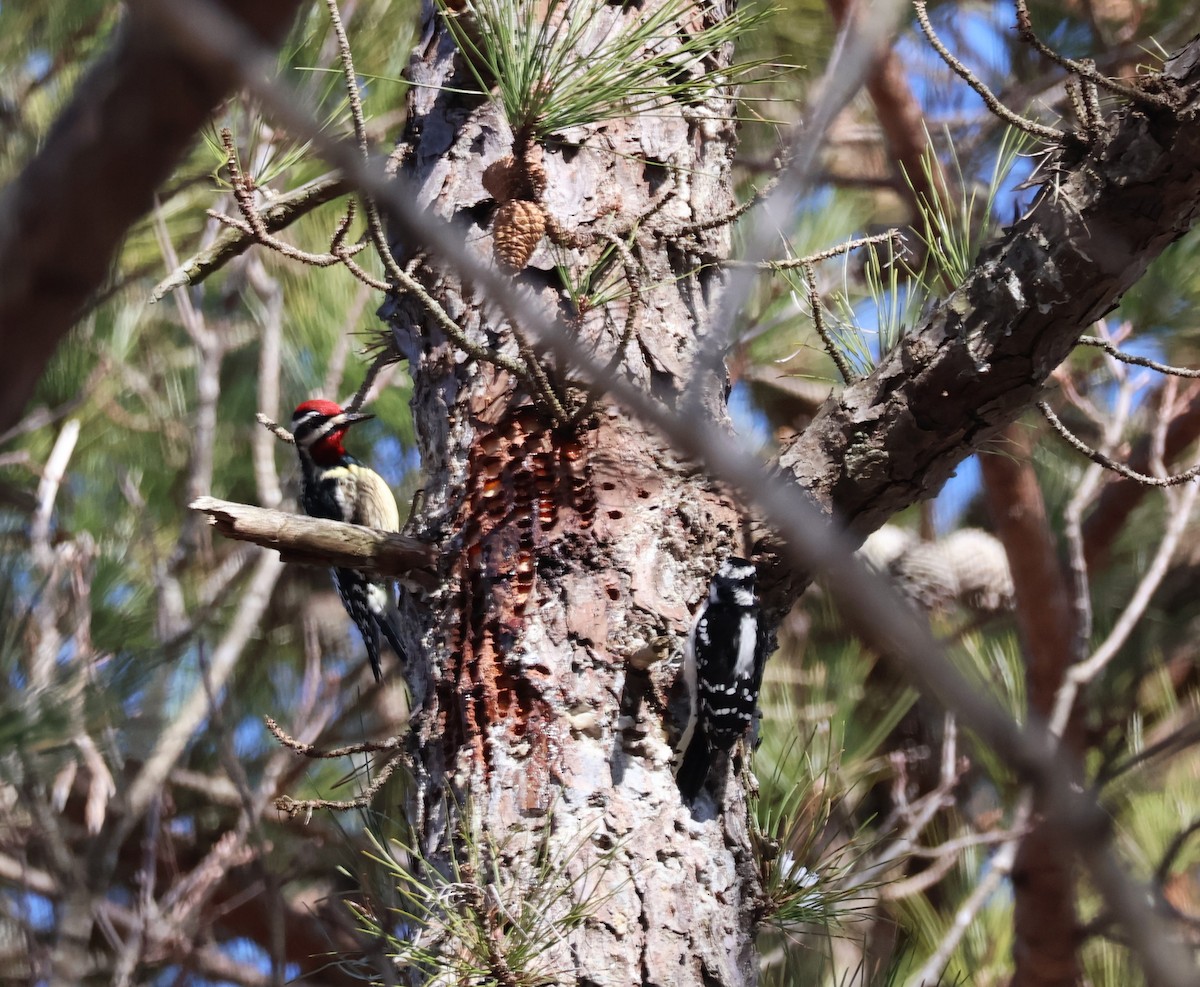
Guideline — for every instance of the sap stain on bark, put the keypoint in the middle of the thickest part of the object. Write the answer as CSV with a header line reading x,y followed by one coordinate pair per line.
x,y
528,492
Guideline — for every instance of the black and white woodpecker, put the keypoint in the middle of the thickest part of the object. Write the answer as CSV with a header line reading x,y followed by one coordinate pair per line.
x,y
723,667
337,486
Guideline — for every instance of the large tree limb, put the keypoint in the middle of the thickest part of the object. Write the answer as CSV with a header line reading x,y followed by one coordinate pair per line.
x,y
305,540
981,356
63,219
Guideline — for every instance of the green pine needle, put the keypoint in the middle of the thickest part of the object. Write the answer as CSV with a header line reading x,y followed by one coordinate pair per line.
x,y
565,64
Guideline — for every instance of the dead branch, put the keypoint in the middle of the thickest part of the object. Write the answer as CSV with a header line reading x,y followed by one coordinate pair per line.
x,y
304,807
311,750
1097,457
314,541
1086,70
822,329
1038,130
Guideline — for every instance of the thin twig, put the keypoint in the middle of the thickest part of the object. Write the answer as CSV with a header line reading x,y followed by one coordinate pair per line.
x,y
352,93
266,477
818,317
342,253
277,430
276,215
210,352
253,225
1177,741
1093,114
1096,456
1156,454
48,486
1075,98
989,98
1085,492
192,319
998,870
1137,361
42,416
967,842
725,219
194,707
1083,69
1174,848
893,237
382,359
916,816
1081,598
920,882
1084,672
295,807
633,279
309,750
249,831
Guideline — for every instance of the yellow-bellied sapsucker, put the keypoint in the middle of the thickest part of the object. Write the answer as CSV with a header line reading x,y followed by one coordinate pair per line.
x,y
723,668
337,486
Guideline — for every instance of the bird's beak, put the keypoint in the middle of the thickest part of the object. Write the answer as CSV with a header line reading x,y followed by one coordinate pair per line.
x,y
348,418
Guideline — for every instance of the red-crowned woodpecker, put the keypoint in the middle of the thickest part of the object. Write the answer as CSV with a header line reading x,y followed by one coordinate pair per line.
x,y
339,487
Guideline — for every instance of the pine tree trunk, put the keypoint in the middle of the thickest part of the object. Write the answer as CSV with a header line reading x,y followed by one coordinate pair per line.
x,y
571,559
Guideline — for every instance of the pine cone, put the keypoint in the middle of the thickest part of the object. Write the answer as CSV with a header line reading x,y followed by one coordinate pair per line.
x,y
516,231
509,177
502,179
535,171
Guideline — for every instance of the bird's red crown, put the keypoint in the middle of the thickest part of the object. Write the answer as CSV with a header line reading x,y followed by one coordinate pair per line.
x,y
320,405
327,449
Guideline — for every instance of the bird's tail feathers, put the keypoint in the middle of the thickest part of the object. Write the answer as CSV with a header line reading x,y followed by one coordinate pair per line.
x,y
370,635
387,624
693,772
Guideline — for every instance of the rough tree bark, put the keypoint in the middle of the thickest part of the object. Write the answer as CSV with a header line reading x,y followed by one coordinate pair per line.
x,y
1113,201
567,552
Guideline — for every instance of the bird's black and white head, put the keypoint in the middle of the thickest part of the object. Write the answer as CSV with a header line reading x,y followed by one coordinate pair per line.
x,y
733,584
318,426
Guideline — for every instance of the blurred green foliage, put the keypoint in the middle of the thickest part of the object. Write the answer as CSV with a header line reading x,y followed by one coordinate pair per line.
x,y
129,374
